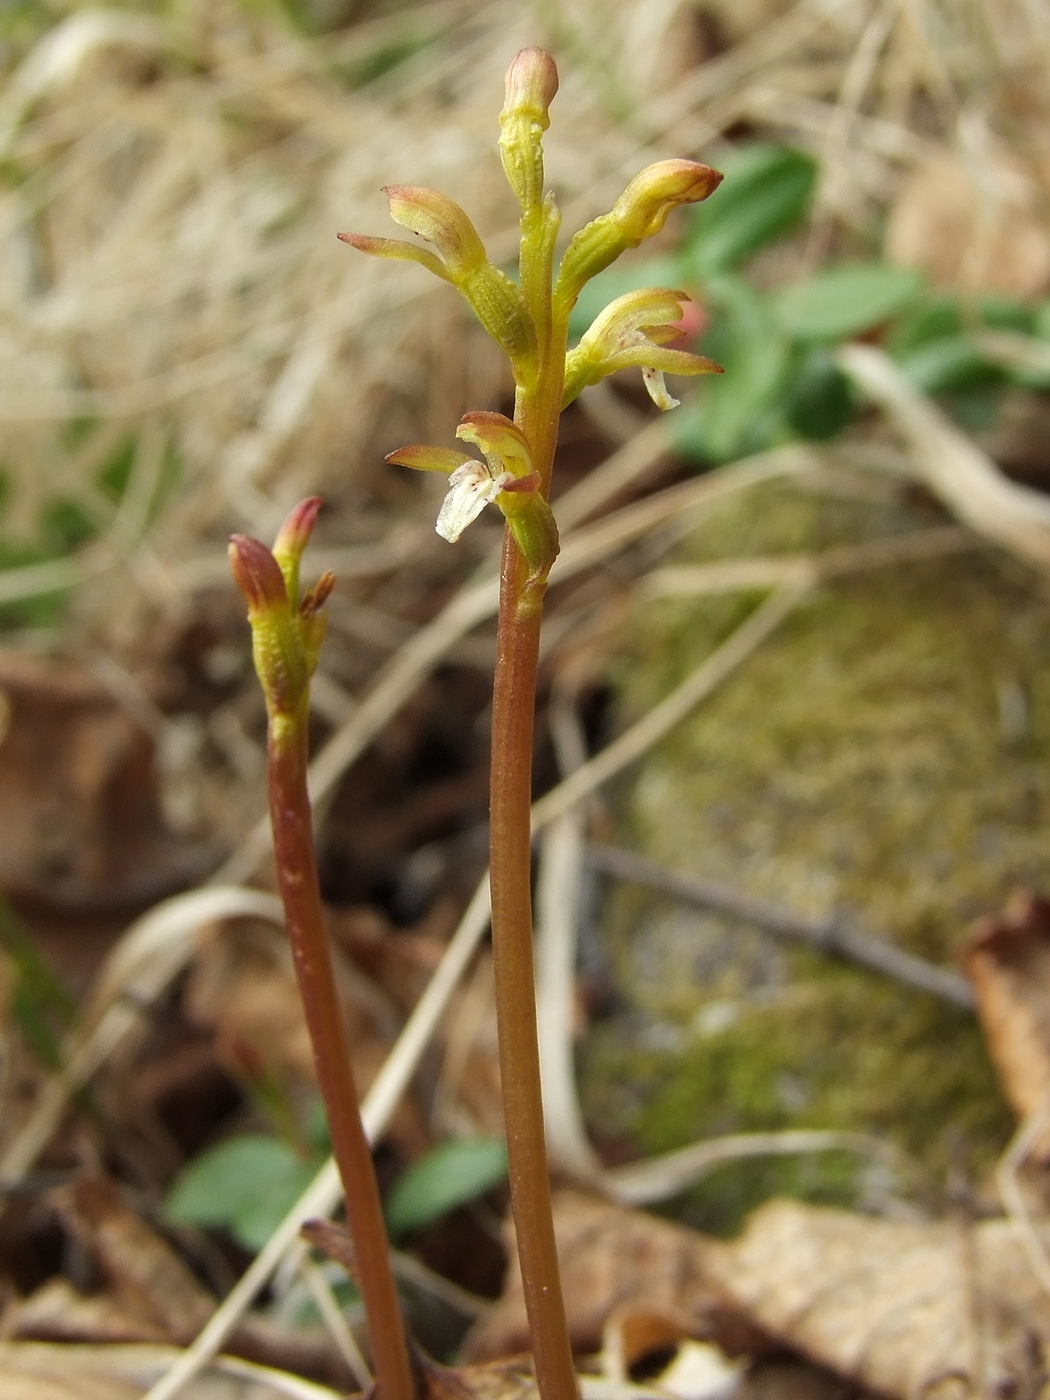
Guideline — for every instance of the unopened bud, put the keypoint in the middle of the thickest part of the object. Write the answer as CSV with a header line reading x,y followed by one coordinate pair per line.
x,y
640,212
531,85
643,207
292,539
286,632
532,81
258,576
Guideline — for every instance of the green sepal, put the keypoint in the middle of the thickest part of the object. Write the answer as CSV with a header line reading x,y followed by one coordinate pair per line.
x,y
531,521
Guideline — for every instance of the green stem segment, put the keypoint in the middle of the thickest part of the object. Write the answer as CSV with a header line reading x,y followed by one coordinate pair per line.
x,y
297,877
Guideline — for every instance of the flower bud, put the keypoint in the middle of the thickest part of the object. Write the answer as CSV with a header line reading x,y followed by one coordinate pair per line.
x,y
530,86
292,539
532,81
258,576
639,212
286,633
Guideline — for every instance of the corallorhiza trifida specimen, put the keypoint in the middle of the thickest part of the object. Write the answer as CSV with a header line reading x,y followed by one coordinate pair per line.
x,y
529,319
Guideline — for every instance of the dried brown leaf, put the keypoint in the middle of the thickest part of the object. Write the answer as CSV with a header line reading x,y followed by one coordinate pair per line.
x,y
78,780
143,1272
611,1257
1007,958
904,1309
48,1371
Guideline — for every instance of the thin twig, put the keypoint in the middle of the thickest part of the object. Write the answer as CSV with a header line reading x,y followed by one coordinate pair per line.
x,y
328,1306
831,936
1007,1179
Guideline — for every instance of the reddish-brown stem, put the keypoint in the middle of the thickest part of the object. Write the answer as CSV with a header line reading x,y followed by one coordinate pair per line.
x,y
297,876
513,703
513,707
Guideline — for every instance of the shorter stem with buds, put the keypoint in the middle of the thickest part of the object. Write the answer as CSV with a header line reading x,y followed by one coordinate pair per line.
x,y
287,631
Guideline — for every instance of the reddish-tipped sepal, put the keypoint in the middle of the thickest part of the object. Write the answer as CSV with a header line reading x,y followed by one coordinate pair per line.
x,y
494,298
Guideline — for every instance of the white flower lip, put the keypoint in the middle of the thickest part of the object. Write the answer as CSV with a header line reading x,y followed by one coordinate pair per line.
x,y
472,488
656,388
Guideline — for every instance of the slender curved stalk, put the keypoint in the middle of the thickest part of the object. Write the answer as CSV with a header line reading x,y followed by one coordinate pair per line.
x,y
297,878
287,632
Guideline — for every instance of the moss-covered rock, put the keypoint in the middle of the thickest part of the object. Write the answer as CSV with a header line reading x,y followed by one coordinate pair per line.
x,y
884,757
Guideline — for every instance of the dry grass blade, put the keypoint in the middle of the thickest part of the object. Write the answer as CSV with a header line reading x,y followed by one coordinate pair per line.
x,y
1007,1179
827,936
86,1371
965,479
658,1178
560,875
328,1306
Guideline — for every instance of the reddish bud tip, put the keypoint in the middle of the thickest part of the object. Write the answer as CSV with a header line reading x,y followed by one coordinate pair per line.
x,y
532,81
294,534
257,574
440,221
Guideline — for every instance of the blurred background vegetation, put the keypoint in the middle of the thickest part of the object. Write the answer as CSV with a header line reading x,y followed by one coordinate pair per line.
x,y
187,350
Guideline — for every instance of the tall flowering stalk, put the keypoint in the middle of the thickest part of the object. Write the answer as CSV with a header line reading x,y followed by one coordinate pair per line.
x,y
529,319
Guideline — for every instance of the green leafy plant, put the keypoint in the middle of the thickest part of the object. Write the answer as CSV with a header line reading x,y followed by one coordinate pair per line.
x,y
778,345
210,1191
530,320
447,1176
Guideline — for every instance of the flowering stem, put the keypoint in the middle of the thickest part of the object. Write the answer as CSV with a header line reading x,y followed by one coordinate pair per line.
x,y
530,321
513,706
300,894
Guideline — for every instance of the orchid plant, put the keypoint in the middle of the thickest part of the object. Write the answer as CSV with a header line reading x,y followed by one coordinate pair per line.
x,y
529,319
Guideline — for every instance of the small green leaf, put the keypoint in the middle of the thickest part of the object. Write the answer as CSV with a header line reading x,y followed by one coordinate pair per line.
x,y
846,300
820,399
245,1185
950,364
766,193
443,1179
741,410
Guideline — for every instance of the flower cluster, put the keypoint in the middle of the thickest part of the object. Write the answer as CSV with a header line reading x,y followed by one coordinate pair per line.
x,y
530,319
287,629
